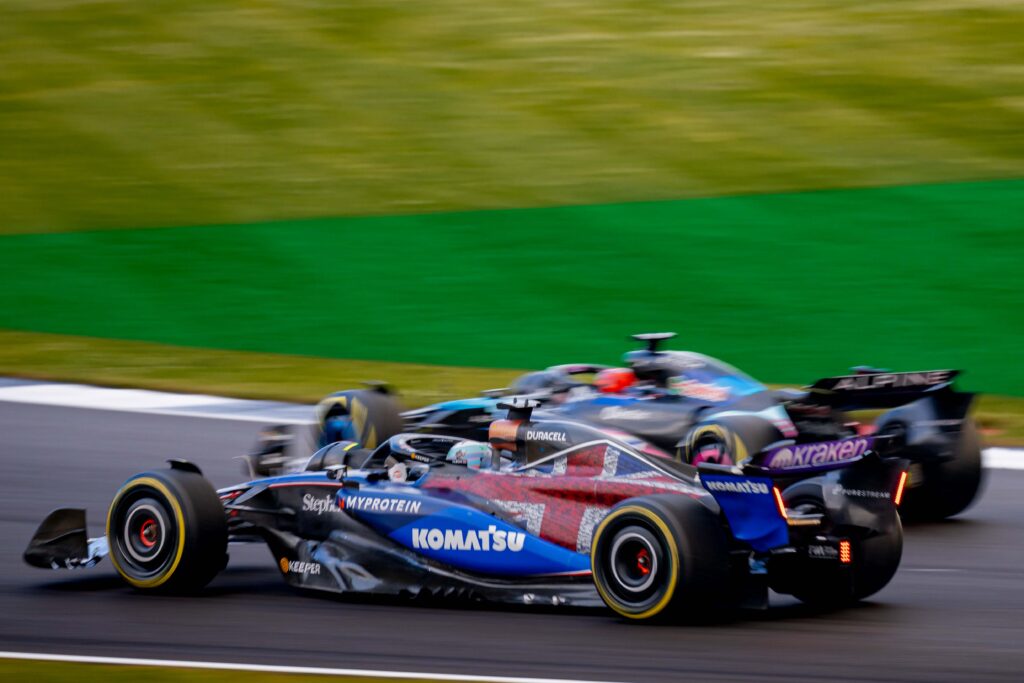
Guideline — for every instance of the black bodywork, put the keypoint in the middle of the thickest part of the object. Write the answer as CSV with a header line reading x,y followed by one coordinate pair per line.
x,y
698,409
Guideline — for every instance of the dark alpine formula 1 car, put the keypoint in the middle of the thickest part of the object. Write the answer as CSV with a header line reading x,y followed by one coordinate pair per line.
x,y
550,512
699,409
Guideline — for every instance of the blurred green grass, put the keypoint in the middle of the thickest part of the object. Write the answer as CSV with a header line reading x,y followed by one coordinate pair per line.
x,y
117,113
789,287
306,380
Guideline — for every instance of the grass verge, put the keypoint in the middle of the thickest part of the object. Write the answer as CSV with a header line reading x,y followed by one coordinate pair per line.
x,y
229,373
304,380
26,671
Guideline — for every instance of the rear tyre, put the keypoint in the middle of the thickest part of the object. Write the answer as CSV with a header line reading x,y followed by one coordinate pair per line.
x,y
947,487
367,417
167,531
659,557
875,560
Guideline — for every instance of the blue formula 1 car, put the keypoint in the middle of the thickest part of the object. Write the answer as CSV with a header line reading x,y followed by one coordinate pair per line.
x,y
543,511
698,409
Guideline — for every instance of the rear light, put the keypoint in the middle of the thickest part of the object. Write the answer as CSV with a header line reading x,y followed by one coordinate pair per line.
x,y
779,502
899,488
845,556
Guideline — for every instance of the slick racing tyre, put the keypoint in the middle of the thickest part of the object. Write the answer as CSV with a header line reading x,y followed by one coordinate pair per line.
x,y
715,444
367,417
727,441
167,531
661,556
875,560
949,486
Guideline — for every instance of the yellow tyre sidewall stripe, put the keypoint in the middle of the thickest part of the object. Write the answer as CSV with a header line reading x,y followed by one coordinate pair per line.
x,y
326,404
673,562
729,438
178,515
365,431
359,415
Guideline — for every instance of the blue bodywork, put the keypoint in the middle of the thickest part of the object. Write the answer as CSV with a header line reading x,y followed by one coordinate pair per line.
x,y
439,526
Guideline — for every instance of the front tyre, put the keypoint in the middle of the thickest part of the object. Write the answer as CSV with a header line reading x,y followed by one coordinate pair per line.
x,y
711,444
167,531
660,556
727,440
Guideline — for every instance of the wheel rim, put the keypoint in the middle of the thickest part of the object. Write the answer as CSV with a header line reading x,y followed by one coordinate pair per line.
x,y
635,566
144,531
711,449
338,427
144,538
634,562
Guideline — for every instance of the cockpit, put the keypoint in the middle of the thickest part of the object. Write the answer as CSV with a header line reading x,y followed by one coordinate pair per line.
x,y
513,443
692,375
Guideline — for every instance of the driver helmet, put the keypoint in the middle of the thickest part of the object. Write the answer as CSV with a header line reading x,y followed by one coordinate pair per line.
x,y
473,454
614,380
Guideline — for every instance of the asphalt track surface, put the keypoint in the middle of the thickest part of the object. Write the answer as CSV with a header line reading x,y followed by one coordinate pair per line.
x,y
955,611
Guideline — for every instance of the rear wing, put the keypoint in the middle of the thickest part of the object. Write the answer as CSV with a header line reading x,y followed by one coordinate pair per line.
x,y
787,459
879,389
861,484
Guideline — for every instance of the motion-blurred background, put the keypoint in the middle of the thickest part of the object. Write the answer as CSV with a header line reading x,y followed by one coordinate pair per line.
x,y
277,199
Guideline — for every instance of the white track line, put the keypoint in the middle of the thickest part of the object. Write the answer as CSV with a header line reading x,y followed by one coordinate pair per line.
x,y
263,417
1003,458
222,408
306,670
81,396
155,402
